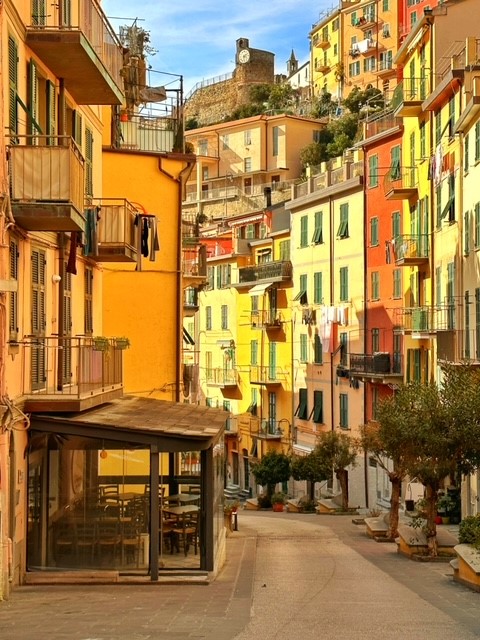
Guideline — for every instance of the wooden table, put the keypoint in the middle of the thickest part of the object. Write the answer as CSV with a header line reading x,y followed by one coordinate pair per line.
x,y
183,498
180,510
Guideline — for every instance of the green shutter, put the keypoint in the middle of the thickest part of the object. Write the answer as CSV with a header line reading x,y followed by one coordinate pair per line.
x,y
88,162
13,85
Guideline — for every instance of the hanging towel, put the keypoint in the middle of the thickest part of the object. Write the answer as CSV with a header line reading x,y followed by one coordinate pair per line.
x,y
145,227
72,256
154,243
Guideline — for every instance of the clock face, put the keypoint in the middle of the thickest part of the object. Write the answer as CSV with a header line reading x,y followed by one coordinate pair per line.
x,y
244,55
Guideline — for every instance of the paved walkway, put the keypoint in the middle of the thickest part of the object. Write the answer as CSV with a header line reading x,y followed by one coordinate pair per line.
x,y
288,577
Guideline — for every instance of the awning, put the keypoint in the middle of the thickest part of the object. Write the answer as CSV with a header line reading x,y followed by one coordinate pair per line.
x,y
259,289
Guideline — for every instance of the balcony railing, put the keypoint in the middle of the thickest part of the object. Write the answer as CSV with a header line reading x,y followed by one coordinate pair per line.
x,y
267,375
157,132
71,374
376,364
412,250
266,319
81,48
116,230
222,377
408,96
401,183
47,183
322,66
328,178
274,271
378,125
429,318
321,40
271,429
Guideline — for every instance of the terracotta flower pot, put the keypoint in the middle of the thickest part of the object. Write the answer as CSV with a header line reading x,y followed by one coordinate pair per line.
x,y
277,506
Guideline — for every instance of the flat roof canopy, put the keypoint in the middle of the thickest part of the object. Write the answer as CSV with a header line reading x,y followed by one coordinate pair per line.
x,y
172,426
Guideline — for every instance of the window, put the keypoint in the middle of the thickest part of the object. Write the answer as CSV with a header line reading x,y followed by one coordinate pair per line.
x,y
247,137
438,206
396,225
466,232
318,287
284,250
208,367
224,316
395,163
38,322
303,348
354,69
450,206
13,296
203,147
343,411
247,165
423,140
224,275
272,361
225,142
343,337
88,294
253,351
375,340
477,225
397,283
13,85
275,134
252,408
204,173
318,231
438,285
467,325
88,162
317,350
302,294
317,412
386,5
343,284
343,227
304,231
302,408
375,285
477,142
466,152
208,318
374,231
373,170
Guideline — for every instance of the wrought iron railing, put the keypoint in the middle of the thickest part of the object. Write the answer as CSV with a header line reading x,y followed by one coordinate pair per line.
x,y
279,269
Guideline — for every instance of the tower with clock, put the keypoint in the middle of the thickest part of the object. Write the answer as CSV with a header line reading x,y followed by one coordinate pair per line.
x,y
253,66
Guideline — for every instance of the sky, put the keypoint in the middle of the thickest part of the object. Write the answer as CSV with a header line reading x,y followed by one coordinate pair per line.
x,y
196,38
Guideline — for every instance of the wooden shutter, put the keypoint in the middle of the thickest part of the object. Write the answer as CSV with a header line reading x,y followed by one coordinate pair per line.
x,y
88,162
32,100
88,290
51,112
13,303
38,319
13,82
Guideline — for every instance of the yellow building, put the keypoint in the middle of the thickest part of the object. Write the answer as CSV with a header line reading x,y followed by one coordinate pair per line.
x,y
326,51
327,306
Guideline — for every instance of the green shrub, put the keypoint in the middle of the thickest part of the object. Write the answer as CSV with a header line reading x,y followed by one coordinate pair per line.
x,y
264,501
307,505
469,531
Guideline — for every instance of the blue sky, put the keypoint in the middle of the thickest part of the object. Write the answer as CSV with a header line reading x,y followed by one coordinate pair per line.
x,y
196,38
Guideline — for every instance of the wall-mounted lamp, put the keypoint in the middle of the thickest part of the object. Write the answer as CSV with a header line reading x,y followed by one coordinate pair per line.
x,y
56,279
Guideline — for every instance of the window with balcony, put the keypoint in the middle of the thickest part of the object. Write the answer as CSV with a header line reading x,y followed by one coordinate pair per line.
x,y
318,231
466,232
375,340
202,147
302,407
208,368
252,408
344,411
395,162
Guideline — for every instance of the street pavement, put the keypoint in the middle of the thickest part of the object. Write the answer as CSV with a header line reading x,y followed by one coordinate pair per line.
x,y
288,576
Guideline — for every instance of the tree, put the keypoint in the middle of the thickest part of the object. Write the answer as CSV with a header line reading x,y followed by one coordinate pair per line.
x,y
337,451
434,432
312,155
359,99
273,467
310,468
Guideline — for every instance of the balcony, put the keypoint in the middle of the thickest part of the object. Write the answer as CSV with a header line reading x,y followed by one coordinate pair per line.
x,y
270,429
408,96
401,183
190,301
367,21
222,377
376,367
194,265
47,183
418,321
268,375
321,40
70,374
411,251
384,69
268,319
381,124
156,133
116,231
82,49
322,66
279,271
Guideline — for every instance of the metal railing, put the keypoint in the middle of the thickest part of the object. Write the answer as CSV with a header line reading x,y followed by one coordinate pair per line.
x,y
46,168
278,269
409,90
400,178
376,363
72,367
207,83
87,17
428,318
267,374
381,123
408,247
266,318
155,132
222,377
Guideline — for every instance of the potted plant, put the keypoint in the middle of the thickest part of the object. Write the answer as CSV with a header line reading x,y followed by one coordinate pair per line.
x,y
278,501
122,342
100,343
445,506
271,469
230,508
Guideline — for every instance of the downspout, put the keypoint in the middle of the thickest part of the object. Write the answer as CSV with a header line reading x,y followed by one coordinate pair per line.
x,y
179,301
365,315
432,221
61,252
332,291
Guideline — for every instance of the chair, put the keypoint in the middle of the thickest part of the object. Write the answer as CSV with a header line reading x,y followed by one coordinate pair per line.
x,y
186,531
131,539
108,535
63,539
86,539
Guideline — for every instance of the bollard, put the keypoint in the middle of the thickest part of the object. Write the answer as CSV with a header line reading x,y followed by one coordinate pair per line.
x,y
234,521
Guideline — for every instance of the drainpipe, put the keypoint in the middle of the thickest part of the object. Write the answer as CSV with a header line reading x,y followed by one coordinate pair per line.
x,y
365,314
60,312
180,181
332,292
